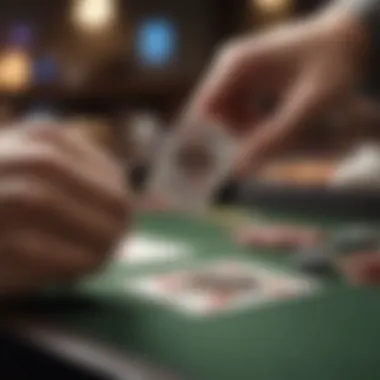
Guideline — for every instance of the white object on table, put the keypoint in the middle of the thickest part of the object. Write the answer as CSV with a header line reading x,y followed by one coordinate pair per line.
x,y
359,170
141,249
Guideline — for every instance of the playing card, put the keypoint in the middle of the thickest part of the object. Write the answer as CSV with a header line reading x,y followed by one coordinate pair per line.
x,y
193,164
140,249
220,287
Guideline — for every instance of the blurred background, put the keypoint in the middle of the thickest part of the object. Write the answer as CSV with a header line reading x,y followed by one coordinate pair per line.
x,y
118,70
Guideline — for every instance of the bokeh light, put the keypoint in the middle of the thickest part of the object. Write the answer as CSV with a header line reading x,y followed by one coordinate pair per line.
x,y
156,42
272,6
46,70
93,14
15,71
21,35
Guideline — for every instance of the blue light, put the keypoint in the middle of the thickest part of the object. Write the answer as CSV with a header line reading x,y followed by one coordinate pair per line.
x,y
21,35
45,70
156,42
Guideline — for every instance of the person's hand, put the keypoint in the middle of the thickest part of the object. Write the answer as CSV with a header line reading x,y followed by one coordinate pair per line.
x,y
268,86
154,203
63,207
362,268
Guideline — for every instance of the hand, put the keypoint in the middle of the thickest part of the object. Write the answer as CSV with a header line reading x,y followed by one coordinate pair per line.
x,y
362,269
154,203
266,87
62,206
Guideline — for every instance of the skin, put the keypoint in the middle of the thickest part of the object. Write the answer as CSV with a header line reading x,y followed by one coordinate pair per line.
x,y
63,207
306,68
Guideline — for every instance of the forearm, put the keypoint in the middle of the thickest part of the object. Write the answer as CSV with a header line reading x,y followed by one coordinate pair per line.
x,y
367,13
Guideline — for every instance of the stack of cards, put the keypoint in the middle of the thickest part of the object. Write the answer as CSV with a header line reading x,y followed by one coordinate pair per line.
x,y
219,287
195,161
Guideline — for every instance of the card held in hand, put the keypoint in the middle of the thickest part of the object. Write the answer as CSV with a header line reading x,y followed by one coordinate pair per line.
x,y
195,161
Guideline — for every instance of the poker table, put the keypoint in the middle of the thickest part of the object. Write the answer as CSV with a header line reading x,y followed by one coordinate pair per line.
x,y
331,334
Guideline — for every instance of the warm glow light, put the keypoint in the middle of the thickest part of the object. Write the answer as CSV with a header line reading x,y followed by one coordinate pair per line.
x,y
272,6
15,71
93,14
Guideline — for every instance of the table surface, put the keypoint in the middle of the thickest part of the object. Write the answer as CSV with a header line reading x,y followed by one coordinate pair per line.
x,y
333,334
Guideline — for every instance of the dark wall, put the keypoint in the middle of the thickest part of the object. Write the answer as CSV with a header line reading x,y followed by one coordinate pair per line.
x,y
114,75
201,24
308,6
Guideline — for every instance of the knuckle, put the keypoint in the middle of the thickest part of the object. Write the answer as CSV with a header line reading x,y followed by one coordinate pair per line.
x,y
27,194
14,197
228,52
238,54
45,162
40,197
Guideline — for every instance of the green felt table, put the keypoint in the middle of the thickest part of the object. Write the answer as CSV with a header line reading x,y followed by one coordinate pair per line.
x,y
333,334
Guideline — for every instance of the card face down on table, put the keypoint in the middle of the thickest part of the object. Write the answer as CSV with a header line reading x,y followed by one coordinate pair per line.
x,y
219,287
